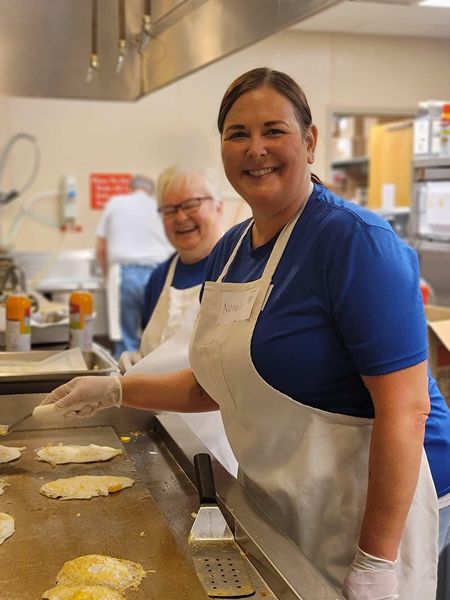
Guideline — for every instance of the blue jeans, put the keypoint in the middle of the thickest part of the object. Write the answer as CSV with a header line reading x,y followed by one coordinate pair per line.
x,y
133,279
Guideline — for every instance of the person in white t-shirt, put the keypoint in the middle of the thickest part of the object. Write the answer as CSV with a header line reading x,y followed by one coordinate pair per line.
x,y
131,242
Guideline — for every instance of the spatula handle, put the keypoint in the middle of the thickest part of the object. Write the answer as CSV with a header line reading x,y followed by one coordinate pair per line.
x,y
44,411
205,479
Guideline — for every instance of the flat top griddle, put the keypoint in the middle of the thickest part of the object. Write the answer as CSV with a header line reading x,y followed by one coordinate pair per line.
x,y
49,532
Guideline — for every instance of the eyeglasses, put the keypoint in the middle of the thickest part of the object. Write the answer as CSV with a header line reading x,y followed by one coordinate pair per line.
x,y
188,206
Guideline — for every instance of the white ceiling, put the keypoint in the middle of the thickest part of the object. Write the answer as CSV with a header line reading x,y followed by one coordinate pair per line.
x,y
362,17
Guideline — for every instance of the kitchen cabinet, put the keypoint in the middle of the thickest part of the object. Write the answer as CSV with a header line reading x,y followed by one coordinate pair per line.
x,y
356,152
390,151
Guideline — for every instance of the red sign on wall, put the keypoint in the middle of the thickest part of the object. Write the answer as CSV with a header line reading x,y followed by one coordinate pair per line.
x,y
105,185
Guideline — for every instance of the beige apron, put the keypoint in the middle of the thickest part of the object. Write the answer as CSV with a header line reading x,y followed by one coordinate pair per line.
x,y
307,467
165,343
173,307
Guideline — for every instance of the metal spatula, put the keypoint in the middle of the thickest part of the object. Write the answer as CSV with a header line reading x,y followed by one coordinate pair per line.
x,y
39,412
217,558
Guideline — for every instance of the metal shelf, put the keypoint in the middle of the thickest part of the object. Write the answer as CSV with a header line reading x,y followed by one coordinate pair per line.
x,y
358,161
428,245
427,169
431,161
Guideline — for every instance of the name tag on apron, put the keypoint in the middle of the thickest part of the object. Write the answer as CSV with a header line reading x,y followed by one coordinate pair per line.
x,y
236,306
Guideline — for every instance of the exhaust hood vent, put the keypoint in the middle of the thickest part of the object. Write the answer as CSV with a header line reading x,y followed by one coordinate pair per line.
x,y
391,2
45,46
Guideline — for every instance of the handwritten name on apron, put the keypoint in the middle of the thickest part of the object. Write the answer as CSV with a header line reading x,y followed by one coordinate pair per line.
x,y
236,306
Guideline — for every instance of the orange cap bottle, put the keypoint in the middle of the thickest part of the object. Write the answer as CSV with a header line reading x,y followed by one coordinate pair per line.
x,y
18,326
445,130
81,320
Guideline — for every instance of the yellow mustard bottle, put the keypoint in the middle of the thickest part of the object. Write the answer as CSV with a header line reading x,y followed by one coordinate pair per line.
x,y
18,326
80,320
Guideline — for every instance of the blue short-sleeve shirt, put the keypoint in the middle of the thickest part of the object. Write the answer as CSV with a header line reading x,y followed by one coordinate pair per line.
x,y
345,302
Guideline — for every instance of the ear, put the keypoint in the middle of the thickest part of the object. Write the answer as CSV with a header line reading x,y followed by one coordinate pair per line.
x,y
219,206
311,141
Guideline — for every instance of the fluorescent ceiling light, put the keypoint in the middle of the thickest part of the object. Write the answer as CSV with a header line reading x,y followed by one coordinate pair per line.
x,y
435,3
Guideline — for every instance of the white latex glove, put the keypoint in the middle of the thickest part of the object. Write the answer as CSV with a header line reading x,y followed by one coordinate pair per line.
x,y
371,578
128,359
84,396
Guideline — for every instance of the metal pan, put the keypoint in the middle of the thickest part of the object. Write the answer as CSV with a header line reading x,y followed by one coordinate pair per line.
x,y
97,362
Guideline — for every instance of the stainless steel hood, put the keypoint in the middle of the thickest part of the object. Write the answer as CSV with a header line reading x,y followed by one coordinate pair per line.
x,y
45,45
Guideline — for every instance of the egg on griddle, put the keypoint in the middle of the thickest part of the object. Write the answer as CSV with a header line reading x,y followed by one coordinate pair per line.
x,y
97,569
6,526
3,484
9,453
62,454
84,487
81,592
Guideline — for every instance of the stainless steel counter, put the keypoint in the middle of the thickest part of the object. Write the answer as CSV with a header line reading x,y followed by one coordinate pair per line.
x,y
57,275
159,454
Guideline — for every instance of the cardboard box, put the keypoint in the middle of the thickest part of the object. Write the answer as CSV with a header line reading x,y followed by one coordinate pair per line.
x,y
341,148
359,147
350,126
438,319
345,148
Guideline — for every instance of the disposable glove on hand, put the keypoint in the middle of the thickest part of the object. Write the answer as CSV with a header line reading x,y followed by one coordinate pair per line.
x,y
84,396
128,359
371,578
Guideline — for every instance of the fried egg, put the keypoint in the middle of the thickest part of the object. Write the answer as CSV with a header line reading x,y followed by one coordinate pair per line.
x,y
58,455
100,570
9,453
3,484
84,487
81,592
6,526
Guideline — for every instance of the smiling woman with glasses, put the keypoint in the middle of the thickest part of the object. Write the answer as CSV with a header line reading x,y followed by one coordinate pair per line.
x,y
190,205
191,210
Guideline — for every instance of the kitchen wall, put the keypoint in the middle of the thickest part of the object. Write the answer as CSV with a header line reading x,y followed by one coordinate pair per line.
x,y
177,123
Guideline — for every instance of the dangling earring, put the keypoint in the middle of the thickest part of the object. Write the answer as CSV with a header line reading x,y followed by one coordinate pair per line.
x,y
310,159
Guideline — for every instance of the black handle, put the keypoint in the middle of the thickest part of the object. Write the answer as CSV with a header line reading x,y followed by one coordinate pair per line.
x,y
205,479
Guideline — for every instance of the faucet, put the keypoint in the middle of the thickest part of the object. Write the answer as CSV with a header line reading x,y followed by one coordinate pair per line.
x,y
17,277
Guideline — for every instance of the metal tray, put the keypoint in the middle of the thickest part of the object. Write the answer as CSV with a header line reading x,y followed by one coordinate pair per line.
x,y
98,363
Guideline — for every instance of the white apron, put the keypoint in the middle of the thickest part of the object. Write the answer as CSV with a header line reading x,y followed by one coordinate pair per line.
x,y
165,344
308,468
113,302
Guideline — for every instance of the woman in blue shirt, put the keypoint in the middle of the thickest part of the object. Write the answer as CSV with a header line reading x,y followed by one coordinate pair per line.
x,y
312,340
